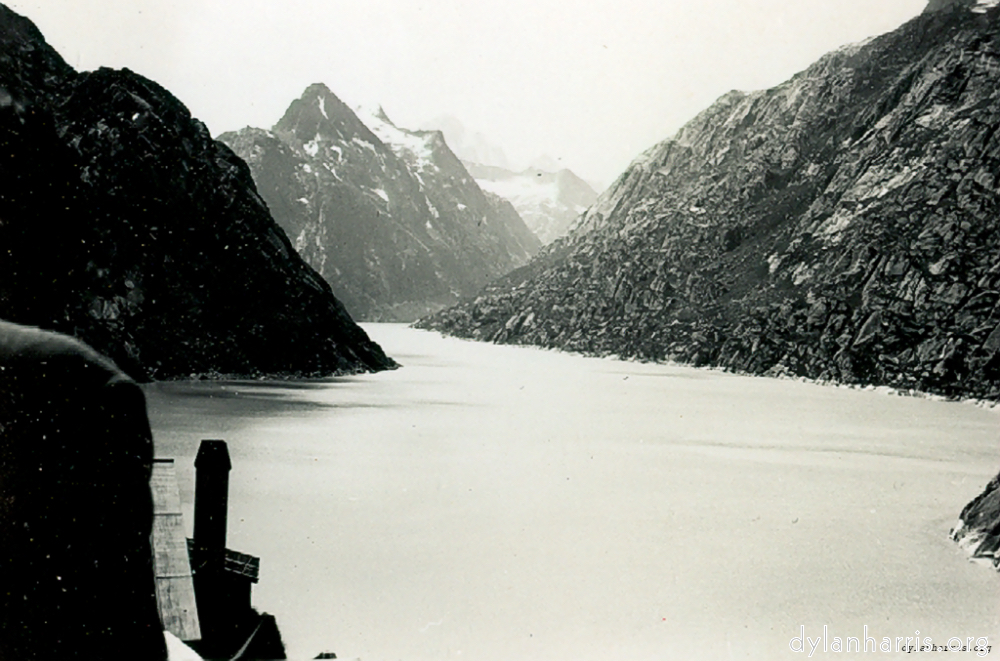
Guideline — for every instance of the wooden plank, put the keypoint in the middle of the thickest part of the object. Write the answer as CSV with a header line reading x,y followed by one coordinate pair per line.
x,y
163,483
170,554
175,597
174,582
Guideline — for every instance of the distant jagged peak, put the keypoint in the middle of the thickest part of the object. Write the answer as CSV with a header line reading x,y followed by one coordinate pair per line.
x,y
320,112
394,135
381,114
323,97
317,89
422,150
374,115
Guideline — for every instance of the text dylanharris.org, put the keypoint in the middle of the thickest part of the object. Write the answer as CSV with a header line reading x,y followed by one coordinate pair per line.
x,y
869,643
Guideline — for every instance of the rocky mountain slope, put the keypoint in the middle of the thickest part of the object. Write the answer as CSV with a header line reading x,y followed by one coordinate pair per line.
x,y
123,223
844,225
548,202
389,217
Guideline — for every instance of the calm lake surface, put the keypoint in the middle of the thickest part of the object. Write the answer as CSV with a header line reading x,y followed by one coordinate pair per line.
x,y
489,502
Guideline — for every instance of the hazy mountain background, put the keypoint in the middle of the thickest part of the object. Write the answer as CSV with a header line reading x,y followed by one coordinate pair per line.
x,y
547,195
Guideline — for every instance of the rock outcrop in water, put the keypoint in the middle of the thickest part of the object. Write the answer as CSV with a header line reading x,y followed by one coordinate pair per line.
x,y
844,225
389,217
123,223
978,530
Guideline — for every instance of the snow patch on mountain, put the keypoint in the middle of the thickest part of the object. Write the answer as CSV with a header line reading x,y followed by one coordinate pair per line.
x,y
414,147
312,147
523,191
548,202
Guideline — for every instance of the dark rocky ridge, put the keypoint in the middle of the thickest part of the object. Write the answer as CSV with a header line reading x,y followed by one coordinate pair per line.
x,y
842,226
123,223
389,217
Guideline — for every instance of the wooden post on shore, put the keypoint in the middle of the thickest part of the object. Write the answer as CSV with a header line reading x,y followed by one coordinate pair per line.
x,y
211,496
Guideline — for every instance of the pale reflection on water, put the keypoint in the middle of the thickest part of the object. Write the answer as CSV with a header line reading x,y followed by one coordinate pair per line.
x,y
490,503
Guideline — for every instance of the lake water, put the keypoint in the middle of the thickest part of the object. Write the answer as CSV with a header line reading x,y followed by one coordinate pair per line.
x,y
492,503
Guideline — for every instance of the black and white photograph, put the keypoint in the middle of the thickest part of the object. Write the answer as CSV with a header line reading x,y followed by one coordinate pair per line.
x,y
430,330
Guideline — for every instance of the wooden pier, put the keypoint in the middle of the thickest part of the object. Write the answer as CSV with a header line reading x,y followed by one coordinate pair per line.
x,y
174,579
203,589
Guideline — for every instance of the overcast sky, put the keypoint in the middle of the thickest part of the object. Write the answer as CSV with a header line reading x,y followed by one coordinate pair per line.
x,y
591,83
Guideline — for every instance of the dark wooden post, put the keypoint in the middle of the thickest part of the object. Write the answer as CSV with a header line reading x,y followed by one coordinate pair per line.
x,y
211,496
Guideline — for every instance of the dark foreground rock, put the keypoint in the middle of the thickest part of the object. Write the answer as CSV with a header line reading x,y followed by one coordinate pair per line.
x,y
76,567
978,529
842,226
124,224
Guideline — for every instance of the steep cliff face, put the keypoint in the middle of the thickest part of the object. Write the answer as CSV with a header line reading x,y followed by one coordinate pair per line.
x,y
123,223
843,225
548,202
389,217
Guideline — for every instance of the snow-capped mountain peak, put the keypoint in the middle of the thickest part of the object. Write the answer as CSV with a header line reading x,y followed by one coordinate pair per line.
x,y
388,216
